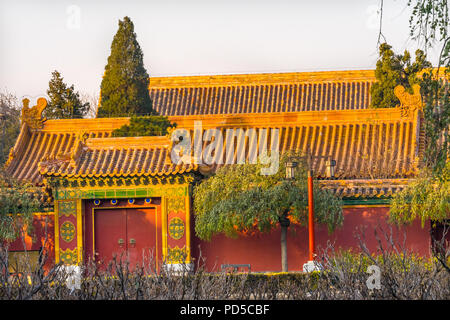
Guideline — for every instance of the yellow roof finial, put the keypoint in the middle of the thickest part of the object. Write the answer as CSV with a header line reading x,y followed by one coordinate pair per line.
x,y
33,116
408,102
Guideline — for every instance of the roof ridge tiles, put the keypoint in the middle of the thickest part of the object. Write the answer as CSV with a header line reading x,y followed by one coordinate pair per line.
x,y
261,78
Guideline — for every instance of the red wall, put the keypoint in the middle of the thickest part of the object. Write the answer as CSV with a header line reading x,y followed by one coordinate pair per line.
x,y
263,251
37,240
264,254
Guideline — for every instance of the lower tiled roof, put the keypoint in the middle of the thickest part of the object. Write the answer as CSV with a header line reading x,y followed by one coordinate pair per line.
x,y
147,156
365,188
33,146
363,149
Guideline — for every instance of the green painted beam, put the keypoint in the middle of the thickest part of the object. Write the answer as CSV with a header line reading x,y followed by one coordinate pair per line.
x,y
370,201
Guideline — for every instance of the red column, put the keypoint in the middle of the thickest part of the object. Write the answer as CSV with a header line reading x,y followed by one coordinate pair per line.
x,y
311,215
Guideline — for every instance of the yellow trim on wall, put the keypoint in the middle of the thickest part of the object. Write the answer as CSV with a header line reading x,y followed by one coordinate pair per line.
x,y
188,228
156,248
56,204
34,214
80,229
164,226
44,213
365,206
93,234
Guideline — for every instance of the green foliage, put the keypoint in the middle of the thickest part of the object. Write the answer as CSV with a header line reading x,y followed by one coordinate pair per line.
x,y
10,126
359,261
64,102
124,88
393,70
18,202
145,126
427,197
428,23
238,199
436,95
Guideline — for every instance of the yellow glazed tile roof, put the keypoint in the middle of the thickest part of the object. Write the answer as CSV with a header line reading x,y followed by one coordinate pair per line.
x,y
99,157
367,143
32,146
365,188
258,93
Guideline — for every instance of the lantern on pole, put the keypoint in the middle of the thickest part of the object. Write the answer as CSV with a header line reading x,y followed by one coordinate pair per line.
x,y
291,165
330,164
290,169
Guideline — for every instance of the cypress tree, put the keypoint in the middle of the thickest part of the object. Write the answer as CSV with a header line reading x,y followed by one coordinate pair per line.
x,y
64,102
124,88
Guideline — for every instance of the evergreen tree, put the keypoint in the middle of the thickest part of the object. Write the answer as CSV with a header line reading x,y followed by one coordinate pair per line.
x,y
64,102
393,70
124,88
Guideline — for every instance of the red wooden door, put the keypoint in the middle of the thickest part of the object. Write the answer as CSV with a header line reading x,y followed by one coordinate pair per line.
x,y
134,233
143,246
110,235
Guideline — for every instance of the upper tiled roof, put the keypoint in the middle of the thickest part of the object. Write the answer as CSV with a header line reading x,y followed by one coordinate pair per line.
x,y
259,93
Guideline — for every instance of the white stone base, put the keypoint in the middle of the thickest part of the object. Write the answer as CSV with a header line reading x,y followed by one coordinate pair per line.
x,y
73,276
178,267
311,266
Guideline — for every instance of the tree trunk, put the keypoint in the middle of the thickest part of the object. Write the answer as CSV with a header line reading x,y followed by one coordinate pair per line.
x,y
284,224
284,259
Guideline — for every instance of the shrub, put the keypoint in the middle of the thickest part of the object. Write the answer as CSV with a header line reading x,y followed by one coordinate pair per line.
x,y
145,126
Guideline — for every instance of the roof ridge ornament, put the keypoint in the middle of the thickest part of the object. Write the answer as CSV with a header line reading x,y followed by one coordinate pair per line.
x,y
78,148
33,116
409,103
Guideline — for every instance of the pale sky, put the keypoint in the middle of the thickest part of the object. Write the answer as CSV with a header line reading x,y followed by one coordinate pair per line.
x,y
192,37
